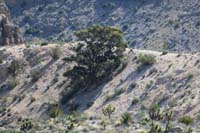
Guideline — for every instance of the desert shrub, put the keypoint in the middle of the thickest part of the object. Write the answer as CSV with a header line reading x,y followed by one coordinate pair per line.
x,y
108,5
126,118
104,123
32,30
16,67
33,99
35,75
171,22
44,44
125,27
135,101
146,59
149,85
133,85
54,110
26,125
40,8
190,76
164,53
12,83
187,120
98,54
176,26
55,53
165,45
1,61
107,111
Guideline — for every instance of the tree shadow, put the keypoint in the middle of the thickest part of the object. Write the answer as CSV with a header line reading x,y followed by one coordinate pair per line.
x,y
82,100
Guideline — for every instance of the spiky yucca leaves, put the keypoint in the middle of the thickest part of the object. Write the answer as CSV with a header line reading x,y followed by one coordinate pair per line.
x,y
155,128
168,117
26,125
155,113
126,119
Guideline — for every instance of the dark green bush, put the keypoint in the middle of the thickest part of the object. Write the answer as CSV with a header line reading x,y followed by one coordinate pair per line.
x,y
54,110
135,101
32,30
190,76
44,44
146,59
16,67
12,83
35,75
187,120
1,61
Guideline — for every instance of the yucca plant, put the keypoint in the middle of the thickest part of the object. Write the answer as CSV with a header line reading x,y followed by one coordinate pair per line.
x,y
126,118
155,128
107,111
155,113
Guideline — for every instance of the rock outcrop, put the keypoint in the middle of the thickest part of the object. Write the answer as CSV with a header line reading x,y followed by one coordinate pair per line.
x,y
9,33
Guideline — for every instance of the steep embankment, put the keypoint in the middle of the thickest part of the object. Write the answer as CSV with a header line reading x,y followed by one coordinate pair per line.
x,y
172,82
150,24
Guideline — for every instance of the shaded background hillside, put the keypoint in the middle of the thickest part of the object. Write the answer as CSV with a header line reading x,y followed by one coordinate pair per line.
x,y
150,24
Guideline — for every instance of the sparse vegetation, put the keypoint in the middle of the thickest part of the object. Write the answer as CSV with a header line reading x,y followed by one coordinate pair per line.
x,y
1,61
12,83
114,95
126,118
54,110
32,30
55,53
187,120
27,124
149,85
135,101
35,75
16,67
190,76
146,59
44,44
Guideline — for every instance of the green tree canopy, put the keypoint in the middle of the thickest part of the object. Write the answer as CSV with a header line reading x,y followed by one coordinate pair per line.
x,y
98,53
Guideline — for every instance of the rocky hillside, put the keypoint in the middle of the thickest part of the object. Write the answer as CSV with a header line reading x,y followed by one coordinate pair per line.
x,y
150,24
172,81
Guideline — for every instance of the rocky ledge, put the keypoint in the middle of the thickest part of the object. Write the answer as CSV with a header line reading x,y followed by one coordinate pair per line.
x,y
9,32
